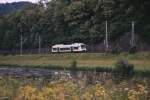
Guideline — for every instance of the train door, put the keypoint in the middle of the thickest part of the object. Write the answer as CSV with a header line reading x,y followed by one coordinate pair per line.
x,y
58,49
71,49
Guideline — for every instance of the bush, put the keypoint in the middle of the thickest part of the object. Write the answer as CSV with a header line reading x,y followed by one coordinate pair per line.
x,y
133,50
124,68
5,53
73,67
116,50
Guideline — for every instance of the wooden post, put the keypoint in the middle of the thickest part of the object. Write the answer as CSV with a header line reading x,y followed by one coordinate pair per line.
x,y
39,44
21,44
132,35
106,37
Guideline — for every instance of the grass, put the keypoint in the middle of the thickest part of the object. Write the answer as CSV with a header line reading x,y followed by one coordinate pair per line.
x,y
140,60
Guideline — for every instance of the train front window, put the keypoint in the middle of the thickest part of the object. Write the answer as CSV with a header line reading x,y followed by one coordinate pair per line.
x,y
83,46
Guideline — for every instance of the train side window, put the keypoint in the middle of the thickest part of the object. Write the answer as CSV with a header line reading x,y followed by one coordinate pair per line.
x,y
76,48
54,49
64,48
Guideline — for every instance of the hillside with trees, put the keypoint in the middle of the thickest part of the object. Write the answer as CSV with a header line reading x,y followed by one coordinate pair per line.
x,y
12,7
68,21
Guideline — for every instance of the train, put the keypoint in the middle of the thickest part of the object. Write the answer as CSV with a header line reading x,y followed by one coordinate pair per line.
x,y
74,47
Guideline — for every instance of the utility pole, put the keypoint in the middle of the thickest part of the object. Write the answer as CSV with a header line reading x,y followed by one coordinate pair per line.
x,y
106,36
21,44
133,34
39,44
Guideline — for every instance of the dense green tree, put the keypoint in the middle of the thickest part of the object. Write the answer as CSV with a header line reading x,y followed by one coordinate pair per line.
x,y
67,21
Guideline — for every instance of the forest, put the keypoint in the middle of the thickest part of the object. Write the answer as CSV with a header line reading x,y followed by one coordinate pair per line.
x,y
12,7
68,21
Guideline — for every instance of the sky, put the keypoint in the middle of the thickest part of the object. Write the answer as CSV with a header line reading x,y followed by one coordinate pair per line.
x,y
9,1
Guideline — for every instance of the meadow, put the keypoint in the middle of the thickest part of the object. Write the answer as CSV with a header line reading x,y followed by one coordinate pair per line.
x,y
141,60
77,85
64,88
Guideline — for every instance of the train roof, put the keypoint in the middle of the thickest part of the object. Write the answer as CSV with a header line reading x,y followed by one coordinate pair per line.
x,y
67,45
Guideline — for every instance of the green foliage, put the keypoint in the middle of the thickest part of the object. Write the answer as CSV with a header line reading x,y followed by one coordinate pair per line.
x,y
73,65
116,50
67,21
73,68
124,68
12,7
133,50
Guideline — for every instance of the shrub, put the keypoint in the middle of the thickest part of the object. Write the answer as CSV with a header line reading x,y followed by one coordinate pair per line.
x,y
73,67
124,68
133,50
5,53
116,50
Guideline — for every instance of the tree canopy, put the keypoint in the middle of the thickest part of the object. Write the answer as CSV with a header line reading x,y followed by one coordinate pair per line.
x,y
68,21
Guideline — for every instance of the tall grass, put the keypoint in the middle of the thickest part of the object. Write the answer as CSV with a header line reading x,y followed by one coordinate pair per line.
x,y
140,60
